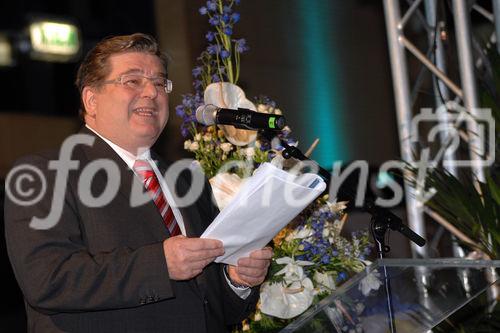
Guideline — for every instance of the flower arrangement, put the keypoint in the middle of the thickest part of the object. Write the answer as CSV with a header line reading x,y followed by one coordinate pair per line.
x,y
311,258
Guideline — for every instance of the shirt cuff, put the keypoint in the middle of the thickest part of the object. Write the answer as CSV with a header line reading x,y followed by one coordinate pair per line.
x,y
242,291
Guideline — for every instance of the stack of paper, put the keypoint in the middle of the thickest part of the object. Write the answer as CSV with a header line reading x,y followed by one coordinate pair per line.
x,y
267,202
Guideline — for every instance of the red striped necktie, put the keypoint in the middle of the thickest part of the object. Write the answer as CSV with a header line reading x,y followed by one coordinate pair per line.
x,y
152,185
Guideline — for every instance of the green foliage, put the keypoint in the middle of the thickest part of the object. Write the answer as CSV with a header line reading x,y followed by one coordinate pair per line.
x,y
474,213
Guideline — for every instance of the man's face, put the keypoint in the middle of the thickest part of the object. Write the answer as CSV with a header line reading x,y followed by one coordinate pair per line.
x,y
132,118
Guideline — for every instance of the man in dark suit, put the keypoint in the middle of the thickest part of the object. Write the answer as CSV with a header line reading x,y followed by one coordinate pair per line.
x,y
86,255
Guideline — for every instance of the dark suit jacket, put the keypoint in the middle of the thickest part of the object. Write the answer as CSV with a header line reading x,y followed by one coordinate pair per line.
x,y
103,269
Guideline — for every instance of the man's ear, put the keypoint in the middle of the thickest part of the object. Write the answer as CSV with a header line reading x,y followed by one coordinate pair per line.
x,y
89,99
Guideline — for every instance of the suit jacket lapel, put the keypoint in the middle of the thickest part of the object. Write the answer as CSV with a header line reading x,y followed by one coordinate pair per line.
x,y
101,150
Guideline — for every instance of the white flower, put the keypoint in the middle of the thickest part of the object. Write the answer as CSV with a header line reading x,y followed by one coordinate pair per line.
x,y
286,302
325,281
226,147
197,137
207,137
262,108
278,111
370,282
293,270
305,232
331,230
337,206
249,152
187,144
194,146
293,295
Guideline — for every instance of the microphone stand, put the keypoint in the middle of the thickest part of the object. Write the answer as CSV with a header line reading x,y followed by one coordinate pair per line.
x,y
382,219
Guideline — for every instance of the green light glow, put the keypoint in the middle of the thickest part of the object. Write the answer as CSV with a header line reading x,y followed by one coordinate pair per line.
x,y
54,38
322,92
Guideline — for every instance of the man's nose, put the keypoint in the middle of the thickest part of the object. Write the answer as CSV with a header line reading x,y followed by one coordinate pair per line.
x,y
149,89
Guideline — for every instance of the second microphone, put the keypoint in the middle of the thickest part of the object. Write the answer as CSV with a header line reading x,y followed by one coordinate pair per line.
x,y
242,118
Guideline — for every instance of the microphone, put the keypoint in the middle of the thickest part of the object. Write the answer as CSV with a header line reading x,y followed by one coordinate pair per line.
x,y
242,118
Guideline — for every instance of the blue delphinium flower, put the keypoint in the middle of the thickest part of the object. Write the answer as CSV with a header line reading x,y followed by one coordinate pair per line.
x,y
213,48
265,145
342,276
185,110
179,110
187,101
325,259
211,67
241,46
235,17
197,71
214,20
215,78
212,6
197,84
210,36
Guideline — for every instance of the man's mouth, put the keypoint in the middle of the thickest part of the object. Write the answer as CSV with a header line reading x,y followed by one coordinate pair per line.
x,y
146,112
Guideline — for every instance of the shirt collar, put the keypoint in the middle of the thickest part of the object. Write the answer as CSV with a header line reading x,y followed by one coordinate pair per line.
x,y
125,155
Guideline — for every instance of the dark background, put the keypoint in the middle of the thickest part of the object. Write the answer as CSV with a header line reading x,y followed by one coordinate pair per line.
x,y
46,88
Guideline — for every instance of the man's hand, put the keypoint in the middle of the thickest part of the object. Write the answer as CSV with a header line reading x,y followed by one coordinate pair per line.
x,y
251,271
186,257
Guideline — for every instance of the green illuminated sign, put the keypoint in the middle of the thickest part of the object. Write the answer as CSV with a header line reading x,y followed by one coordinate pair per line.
x,y
54,38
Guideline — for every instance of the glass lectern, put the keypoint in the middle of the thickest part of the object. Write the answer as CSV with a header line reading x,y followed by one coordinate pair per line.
x,y
399,295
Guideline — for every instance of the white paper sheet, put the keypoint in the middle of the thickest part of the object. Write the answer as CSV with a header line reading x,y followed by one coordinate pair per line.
x,y
267,202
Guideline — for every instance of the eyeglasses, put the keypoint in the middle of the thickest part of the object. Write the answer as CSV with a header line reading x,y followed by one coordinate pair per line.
x,y
138,82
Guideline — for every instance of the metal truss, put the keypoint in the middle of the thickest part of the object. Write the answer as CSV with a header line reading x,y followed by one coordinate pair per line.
x,y
423,12
432,60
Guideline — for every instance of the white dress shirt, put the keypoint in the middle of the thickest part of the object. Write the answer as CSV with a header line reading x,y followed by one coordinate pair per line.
x,y
130,159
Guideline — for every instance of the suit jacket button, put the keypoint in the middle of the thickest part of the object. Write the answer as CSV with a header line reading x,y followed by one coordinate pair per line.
x,y
205,302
